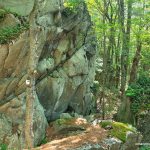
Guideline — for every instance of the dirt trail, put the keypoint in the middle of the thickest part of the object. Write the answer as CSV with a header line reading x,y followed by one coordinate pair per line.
x,y
91,135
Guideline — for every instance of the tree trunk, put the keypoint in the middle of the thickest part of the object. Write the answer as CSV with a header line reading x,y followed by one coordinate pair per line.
x,y
124,113
117,63
135,63
104,65
30,82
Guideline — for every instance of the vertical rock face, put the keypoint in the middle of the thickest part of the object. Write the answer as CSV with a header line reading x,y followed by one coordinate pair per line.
x,y
66,70
24,7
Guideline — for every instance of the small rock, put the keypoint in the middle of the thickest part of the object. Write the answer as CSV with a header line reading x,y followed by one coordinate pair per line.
x,y
113,143
90,118
76,115
8,21
131,141
108,127
65,116
59,30
90,147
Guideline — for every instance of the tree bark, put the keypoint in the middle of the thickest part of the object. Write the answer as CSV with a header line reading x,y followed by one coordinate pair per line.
x,y
124,113
104,64
117,62
30,82
135,63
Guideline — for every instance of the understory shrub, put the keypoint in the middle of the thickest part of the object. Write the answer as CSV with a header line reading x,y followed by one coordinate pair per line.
x,y
139,93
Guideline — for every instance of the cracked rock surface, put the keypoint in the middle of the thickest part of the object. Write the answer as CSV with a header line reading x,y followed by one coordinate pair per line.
x,y
66,70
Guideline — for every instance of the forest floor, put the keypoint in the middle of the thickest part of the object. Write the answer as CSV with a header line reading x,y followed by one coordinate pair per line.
x,y
70,136
92,134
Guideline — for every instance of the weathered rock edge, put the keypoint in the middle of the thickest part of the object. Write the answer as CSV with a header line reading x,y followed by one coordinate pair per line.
x,y
66,71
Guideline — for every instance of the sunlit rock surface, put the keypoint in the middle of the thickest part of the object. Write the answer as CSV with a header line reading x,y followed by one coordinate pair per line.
x,y
66,70
24,7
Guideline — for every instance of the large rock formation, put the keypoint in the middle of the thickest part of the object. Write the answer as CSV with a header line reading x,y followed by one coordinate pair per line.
x,y
76,133
66,69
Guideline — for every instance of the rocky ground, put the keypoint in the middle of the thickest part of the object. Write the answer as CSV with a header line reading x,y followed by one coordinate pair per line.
x,y
91,133
66,71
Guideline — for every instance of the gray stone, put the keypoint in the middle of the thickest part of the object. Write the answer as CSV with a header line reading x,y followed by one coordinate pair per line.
x,y
11,61
12,123
76,115
90,147
113,143
5,128
24,7
132,140
8,21
65,116
45,64
46,20
52,6
3,86
65,74
54,95
3,54
39,123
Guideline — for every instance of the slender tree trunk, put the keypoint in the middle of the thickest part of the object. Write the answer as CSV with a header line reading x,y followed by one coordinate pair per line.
x,y
112,57
30,82
123,66
133,76
117,63
104,66
135,63
29,136
124,111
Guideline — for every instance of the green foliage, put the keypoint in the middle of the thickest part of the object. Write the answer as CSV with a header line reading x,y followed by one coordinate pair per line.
x,y
9,33
72,4
67,12
44,141
95,87
71,7
2,14
105,124
60,121
3,147
145,148
119,129
145,60
139,93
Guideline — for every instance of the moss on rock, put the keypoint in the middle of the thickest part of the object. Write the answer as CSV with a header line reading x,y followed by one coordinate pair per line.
x,y
9,33
119,130
61,121
2,13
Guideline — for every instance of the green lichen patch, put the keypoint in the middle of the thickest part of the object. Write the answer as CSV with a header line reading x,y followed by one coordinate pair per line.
x,y
8,34
68,125
119,130
61,121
